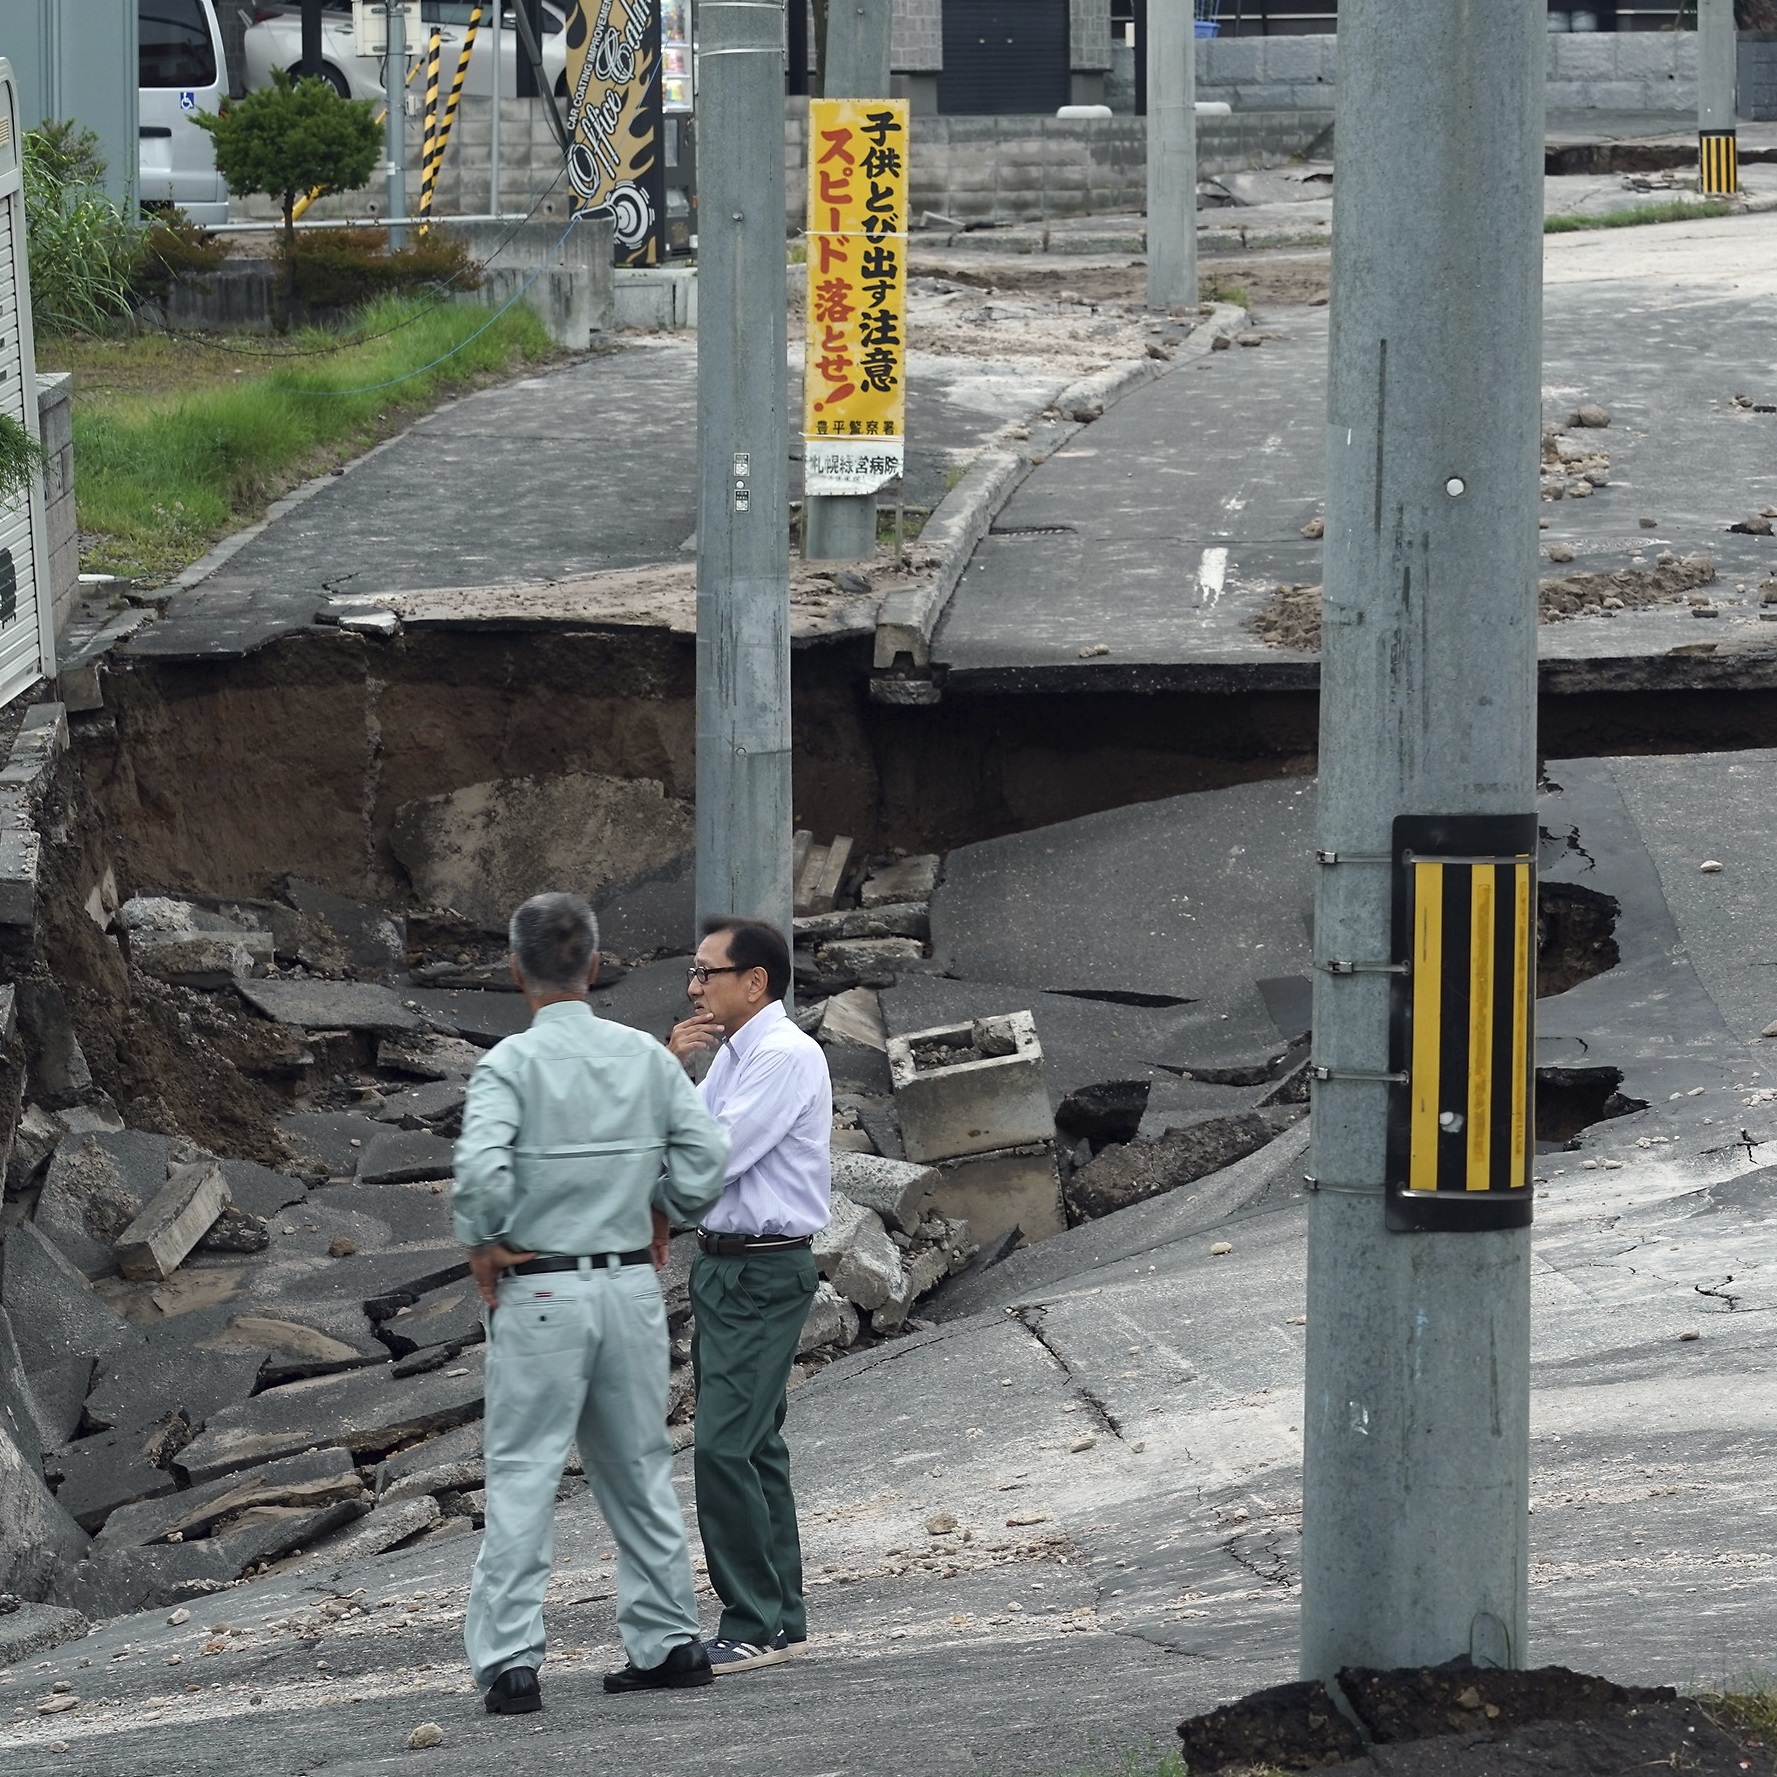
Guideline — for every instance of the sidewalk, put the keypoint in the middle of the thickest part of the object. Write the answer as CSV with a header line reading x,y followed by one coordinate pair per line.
x,y
1142,553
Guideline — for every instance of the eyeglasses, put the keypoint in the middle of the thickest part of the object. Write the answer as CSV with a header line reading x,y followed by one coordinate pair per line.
x,y
701,972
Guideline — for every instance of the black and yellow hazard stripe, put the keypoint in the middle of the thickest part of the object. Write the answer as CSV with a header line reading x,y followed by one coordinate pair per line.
x,y
1718,155
429,133
1463,1122
441,136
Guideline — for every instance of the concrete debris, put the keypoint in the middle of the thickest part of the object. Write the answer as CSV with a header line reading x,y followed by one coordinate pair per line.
x,y
398,1156
235,1230
1122,1175
1591,414
482,849
448,1477
1010,1191
971,1088
909,919
37,1536
96,1186
96,1475
907,879
479,1016
819,873
384,1527
364,1410
314,1479
331,1005
897,1191
868,1270
428,1733
335,935
832,1320
429,1057
854,1016
29,1629
178,1217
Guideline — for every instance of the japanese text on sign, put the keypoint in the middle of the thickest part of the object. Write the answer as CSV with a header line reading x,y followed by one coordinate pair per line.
x,y
855,404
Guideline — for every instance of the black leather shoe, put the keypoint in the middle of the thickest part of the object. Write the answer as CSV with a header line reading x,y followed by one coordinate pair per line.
x,y
515,1692
684,1667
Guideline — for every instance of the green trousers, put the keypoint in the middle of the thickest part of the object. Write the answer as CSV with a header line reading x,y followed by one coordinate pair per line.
x,y
750,1311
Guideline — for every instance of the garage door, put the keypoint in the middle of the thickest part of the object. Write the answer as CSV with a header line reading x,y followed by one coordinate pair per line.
x,y
1004,56
21,656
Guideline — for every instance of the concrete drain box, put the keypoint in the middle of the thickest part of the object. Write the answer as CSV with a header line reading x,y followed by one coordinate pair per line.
x,y
973,1101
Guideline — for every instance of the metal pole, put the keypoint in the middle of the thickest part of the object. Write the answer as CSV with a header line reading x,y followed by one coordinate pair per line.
x,y
309,64
395,124
499,48
842,527
1172,156
1718,45
1416,1419
743,550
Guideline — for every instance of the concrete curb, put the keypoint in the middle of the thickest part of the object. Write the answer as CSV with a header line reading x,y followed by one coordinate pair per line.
x,y
909,618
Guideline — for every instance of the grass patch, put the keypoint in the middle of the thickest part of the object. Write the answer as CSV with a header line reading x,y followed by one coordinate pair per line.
x,y
1634,215
1748,1712
176,443
1212,289
1144,1761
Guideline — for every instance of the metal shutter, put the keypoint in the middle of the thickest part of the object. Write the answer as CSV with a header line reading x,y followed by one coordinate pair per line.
x,y
22,643
1004,56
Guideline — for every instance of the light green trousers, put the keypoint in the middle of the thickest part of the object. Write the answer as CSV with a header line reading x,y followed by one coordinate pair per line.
x,y
578,1357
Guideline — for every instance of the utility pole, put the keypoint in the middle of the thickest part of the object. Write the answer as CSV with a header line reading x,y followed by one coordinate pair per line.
x,y
743,546
309,66
1172,155
395,124
842,527
1718,141
498,46
1416,1418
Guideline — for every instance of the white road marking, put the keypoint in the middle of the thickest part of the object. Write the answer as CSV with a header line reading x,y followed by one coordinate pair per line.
x,y
1212,573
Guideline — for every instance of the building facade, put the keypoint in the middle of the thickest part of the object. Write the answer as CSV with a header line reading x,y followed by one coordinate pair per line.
x,y
976,58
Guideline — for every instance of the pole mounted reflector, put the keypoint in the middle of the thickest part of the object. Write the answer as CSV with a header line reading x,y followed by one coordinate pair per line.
x,y
1462,1123
1718,160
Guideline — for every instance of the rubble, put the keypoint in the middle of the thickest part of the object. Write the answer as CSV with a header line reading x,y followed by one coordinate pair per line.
x,y
331,1005
969,1088
181,1213
896,1190
1130,1173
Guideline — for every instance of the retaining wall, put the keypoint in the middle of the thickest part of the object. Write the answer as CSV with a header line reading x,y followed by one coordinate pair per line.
x,y
55,418
1587,71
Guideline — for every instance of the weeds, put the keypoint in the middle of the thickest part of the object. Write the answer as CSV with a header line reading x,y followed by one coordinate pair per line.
x,y
21,458
1212,289
83,249
1634,215
1748,1712
162,476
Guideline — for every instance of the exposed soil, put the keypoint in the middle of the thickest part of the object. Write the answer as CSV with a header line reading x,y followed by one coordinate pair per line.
x,y
1459,1720
1290,617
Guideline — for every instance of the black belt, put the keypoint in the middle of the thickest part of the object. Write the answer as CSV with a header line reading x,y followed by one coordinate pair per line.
x,y
730,1246
565,1262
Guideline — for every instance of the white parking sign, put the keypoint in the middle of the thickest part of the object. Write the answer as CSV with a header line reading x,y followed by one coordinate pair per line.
x,y
188,101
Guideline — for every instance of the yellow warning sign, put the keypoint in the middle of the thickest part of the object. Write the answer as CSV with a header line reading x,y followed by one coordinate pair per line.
x,y
855,382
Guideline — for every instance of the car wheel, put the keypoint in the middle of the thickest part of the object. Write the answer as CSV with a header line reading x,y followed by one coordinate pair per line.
x,y
330,74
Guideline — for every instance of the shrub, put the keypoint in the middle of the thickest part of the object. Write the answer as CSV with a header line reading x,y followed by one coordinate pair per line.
x,y
21,457
343,267
83,250
293,136
175,247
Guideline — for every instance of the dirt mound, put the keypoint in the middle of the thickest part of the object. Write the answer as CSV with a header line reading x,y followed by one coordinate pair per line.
x,y
1459,1720
1290,616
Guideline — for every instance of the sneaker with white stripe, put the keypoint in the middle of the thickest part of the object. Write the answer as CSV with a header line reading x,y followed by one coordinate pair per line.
x,y
742,1656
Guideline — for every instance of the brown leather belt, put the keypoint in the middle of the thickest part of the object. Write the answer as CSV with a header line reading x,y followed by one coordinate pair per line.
x,y
731,1246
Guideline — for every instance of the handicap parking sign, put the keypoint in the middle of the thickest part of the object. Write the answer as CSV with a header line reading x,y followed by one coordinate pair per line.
x,y
188,101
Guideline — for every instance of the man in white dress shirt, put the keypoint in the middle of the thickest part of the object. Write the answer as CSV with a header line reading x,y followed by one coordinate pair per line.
x,y
753,1280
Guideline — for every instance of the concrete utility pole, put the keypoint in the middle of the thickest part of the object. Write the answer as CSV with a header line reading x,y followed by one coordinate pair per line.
x,y
395,124
1718,48
1172,155
743,544
498,48
842,527
1416,1419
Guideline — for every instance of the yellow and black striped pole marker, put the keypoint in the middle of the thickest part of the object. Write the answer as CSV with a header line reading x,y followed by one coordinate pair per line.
x,y
1718,155
441,140
1462,1112
429,135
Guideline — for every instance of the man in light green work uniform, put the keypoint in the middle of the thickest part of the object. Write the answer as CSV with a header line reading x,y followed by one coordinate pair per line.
x,y
580,1138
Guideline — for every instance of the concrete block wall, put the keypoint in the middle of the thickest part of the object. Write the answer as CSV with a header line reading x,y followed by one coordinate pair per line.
x,y
1587,71
1089,35
1030,169
917,41
1758,75
55,418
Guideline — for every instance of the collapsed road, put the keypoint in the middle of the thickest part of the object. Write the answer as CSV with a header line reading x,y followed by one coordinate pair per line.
x,y
253,887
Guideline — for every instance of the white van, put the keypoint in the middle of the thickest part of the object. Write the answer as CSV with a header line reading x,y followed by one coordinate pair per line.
x,y
184,70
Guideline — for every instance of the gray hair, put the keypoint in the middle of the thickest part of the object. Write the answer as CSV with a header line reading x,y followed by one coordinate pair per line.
x,y
555,938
